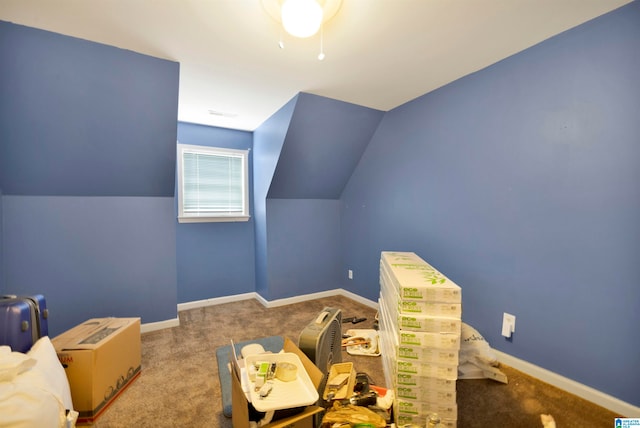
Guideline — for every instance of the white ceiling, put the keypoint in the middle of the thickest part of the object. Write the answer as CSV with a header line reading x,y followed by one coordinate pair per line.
x,y
379,53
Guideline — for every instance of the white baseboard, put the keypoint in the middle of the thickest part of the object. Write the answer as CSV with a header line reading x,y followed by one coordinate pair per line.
x,y
215,301
278,302
153,326
616,405
357,298
290,300
313,296
295,299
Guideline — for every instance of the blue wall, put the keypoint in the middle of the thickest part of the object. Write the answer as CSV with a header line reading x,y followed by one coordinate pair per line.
x,y
84,119
215,259
307,151
520,183
303,247
1,245
268,139
324,141
92,256
87,166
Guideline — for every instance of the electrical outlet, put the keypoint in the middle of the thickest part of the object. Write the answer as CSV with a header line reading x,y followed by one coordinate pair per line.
x,y
508,324
350,274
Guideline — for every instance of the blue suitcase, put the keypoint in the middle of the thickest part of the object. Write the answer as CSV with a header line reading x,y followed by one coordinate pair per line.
x,y
23,320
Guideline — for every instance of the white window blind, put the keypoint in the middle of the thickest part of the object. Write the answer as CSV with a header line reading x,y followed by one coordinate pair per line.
x,y
212,184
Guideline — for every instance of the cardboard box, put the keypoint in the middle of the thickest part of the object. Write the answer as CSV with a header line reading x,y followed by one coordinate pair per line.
x,y
389,289
445,410
101,357
421,393
423,339
453,310
415,279
240,405
428,355
427,369
432,383
422,421
429,324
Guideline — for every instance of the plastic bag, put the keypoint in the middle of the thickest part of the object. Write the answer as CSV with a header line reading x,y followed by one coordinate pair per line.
x,y
352,415
474,347
476,358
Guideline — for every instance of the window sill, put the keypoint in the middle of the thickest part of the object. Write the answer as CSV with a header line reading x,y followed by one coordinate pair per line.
x,y
213,219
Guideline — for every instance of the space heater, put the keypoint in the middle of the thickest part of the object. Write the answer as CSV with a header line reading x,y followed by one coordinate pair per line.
x,y
321,340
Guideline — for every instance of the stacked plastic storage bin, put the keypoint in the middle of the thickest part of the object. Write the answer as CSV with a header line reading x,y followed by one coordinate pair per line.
x,y
420,320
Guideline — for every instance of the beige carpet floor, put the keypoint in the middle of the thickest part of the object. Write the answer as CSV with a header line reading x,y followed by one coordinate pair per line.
x,y
179,385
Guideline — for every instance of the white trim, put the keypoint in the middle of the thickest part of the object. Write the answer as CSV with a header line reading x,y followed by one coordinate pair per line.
x,y
616,405
160,325
358,298
318,295
278,302
295,299
206,217
262,301
215,301
219,219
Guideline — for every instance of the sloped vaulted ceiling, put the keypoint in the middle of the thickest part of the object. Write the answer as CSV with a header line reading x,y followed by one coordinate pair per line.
x,y
323,144
79,118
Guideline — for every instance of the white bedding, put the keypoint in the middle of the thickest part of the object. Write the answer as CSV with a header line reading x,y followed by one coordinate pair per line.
x,y
34,390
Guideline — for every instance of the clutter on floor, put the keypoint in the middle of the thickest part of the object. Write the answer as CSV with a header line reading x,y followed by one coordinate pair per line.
x,y
70,379
34,391
101,357
356,416
321,339
353,320
223,354
273,389
418,332
340,382
547,421
350,398
24,321
276,388
362,342
477,359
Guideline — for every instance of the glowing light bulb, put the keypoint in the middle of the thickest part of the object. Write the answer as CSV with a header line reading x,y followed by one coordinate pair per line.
x,y
301,18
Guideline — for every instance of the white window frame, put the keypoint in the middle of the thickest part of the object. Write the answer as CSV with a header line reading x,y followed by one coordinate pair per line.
x,y
204,217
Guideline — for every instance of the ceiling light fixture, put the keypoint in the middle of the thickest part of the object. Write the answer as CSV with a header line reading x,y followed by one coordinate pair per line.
x,y
302,18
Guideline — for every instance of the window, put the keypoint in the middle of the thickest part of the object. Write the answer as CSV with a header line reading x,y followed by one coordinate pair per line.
x,y
213,184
